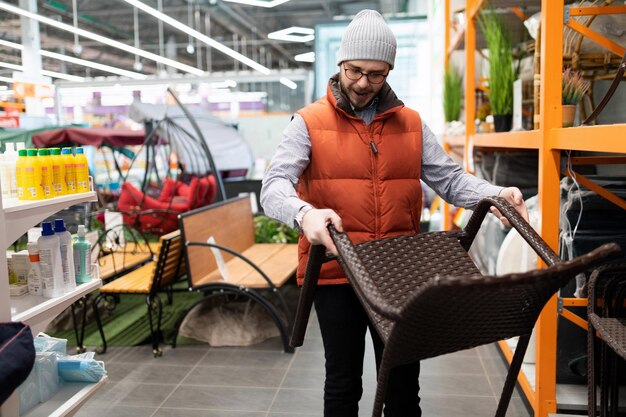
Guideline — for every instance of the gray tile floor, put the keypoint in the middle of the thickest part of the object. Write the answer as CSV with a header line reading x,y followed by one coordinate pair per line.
x,y
262,381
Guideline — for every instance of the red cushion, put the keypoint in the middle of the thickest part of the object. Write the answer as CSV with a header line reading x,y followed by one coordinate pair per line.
x,y
168,190
210,195
201,195
132,203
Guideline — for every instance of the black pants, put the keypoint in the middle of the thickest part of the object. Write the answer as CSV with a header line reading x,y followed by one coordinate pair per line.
x,y
343,324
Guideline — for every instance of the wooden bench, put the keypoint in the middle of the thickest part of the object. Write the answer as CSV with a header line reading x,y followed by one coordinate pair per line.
x,y
252,269
149,279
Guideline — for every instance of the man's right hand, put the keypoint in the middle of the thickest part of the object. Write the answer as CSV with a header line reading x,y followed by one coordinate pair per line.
x,y
314,225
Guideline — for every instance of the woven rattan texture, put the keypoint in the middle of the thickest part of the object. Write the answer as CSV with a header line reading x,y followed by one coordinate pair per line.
x,y
606,316
612,331
425,296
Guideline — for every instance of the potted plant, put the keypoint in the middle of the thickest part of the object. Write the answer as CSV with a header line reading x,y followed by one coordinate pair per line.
x,y
501,75
574,87
452,94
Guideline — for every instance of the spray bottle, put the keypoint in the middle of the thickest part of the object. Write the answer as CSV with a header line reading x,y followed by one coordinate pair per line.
x,y
82,257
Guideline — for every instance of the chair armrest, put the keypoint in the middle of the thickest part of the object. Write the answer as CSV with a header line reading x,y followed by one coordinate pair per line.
x,y
611,284
364,287
517,221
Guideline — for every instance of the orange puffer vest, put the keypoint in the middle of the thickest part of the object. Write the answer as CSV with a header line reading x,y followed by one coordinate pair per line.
x,y
369,175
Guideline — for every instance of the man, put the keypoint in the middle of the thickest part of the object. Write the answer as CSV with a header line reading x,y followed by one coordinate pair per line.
x,y
356,157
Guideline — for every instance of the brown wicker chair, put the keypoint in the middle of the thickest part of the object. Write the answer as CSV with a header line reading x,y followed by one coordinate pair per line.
x,y
426,297
608,319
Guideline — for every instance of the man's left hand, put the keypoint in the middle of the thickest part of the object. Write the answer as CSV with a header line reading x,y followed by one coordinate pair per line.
x,y
514,196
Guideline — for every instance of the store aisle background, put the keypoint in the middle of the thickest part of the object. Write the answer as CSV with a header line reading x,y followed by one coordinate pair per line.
x,y
262,381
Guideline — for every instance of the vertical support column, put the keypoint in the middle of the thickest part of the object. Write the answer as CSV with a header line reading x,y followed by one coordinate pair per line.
x,y
549,204
470,81
31,58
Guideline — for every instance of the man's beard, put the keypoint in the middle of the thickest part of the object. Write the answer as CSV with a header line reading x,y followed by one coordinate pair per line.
x,y
345,92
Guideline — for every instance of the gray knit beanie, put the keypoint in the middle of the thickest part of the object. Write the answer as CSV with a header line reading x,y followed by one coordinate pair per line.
x,y
368,37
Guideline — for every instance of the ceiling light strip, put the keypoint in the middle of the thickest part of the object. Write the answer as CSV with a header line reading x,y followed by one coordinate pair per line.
x,y
203,38
99,38
287,82
78,61
259,3
95,65
293,34
44,72
63,76
305,57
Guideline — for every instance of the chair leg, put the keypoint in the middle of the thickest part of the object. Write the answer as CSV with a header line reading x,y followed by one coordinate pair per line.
x,y
381,388
511,377
613,385
591,373
95,303
307,293
604,386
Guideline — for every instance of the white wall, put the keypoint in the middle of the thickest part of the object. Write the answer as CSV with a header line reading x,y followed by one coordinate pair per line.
x,y
264,133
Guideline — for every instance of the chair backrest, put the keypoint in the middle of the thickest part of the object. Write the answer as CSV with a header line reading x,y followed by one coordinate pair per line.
x,y
229,222
170,261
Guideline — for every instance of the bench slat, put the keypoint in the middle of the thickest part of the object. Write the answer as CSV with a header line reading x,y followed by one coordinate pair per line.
x,y
278,261
136,281
117,262
143,278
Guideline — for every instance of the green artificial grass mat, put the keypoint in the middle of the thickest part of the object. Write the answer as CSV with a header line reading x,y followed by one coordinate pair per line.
x,y
127,324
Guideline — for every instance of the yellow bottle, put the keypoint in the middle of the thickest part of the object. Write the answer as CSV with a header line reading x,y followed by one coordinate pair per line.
x,y
46,173
82,171
32,176
20,168
70,170
58,172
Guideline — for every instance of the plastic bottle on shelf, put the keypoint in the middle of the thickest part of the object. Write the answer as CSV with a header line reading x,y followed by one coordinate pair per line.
x,y
82,171
32,176
50,262
82,257
59,187
20,168
7,171
34,275
46,173
70,170
67,255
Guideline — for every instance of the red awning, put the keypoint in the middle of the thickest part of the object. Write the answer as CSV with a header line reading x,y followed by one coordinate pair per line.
x,y
89,136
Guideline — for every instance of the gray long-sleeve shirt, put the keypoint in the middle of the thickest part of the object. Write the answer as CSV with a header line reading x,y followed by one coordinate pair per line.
x,y
439,172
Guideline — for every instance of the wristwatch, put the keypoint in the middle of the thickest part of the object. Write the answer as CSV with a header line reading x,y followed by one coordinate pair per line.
x,y
297,224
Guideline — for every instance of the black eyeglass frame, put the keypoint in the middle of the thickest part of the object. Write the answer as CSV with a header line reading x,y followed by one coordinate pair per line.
x,y
366,74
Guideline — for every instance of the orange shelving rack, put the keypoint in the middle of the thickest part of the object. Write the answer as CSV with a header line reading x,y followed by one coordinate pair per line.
x,y
550,140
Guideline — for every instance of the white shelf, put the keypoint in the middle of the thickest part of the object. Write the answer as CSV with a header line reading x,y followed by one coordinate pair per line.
x,y
37,311
20,215
68,400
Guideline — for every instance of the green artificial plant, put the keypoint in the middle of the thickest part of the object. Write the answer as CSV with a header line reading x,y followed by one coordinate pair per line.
x,y
452,94
501,75
272,231
574,87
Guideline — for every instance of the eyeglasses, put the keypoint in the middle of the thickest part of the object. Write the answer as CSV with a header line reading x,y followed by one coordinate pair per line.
x,y
372,77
